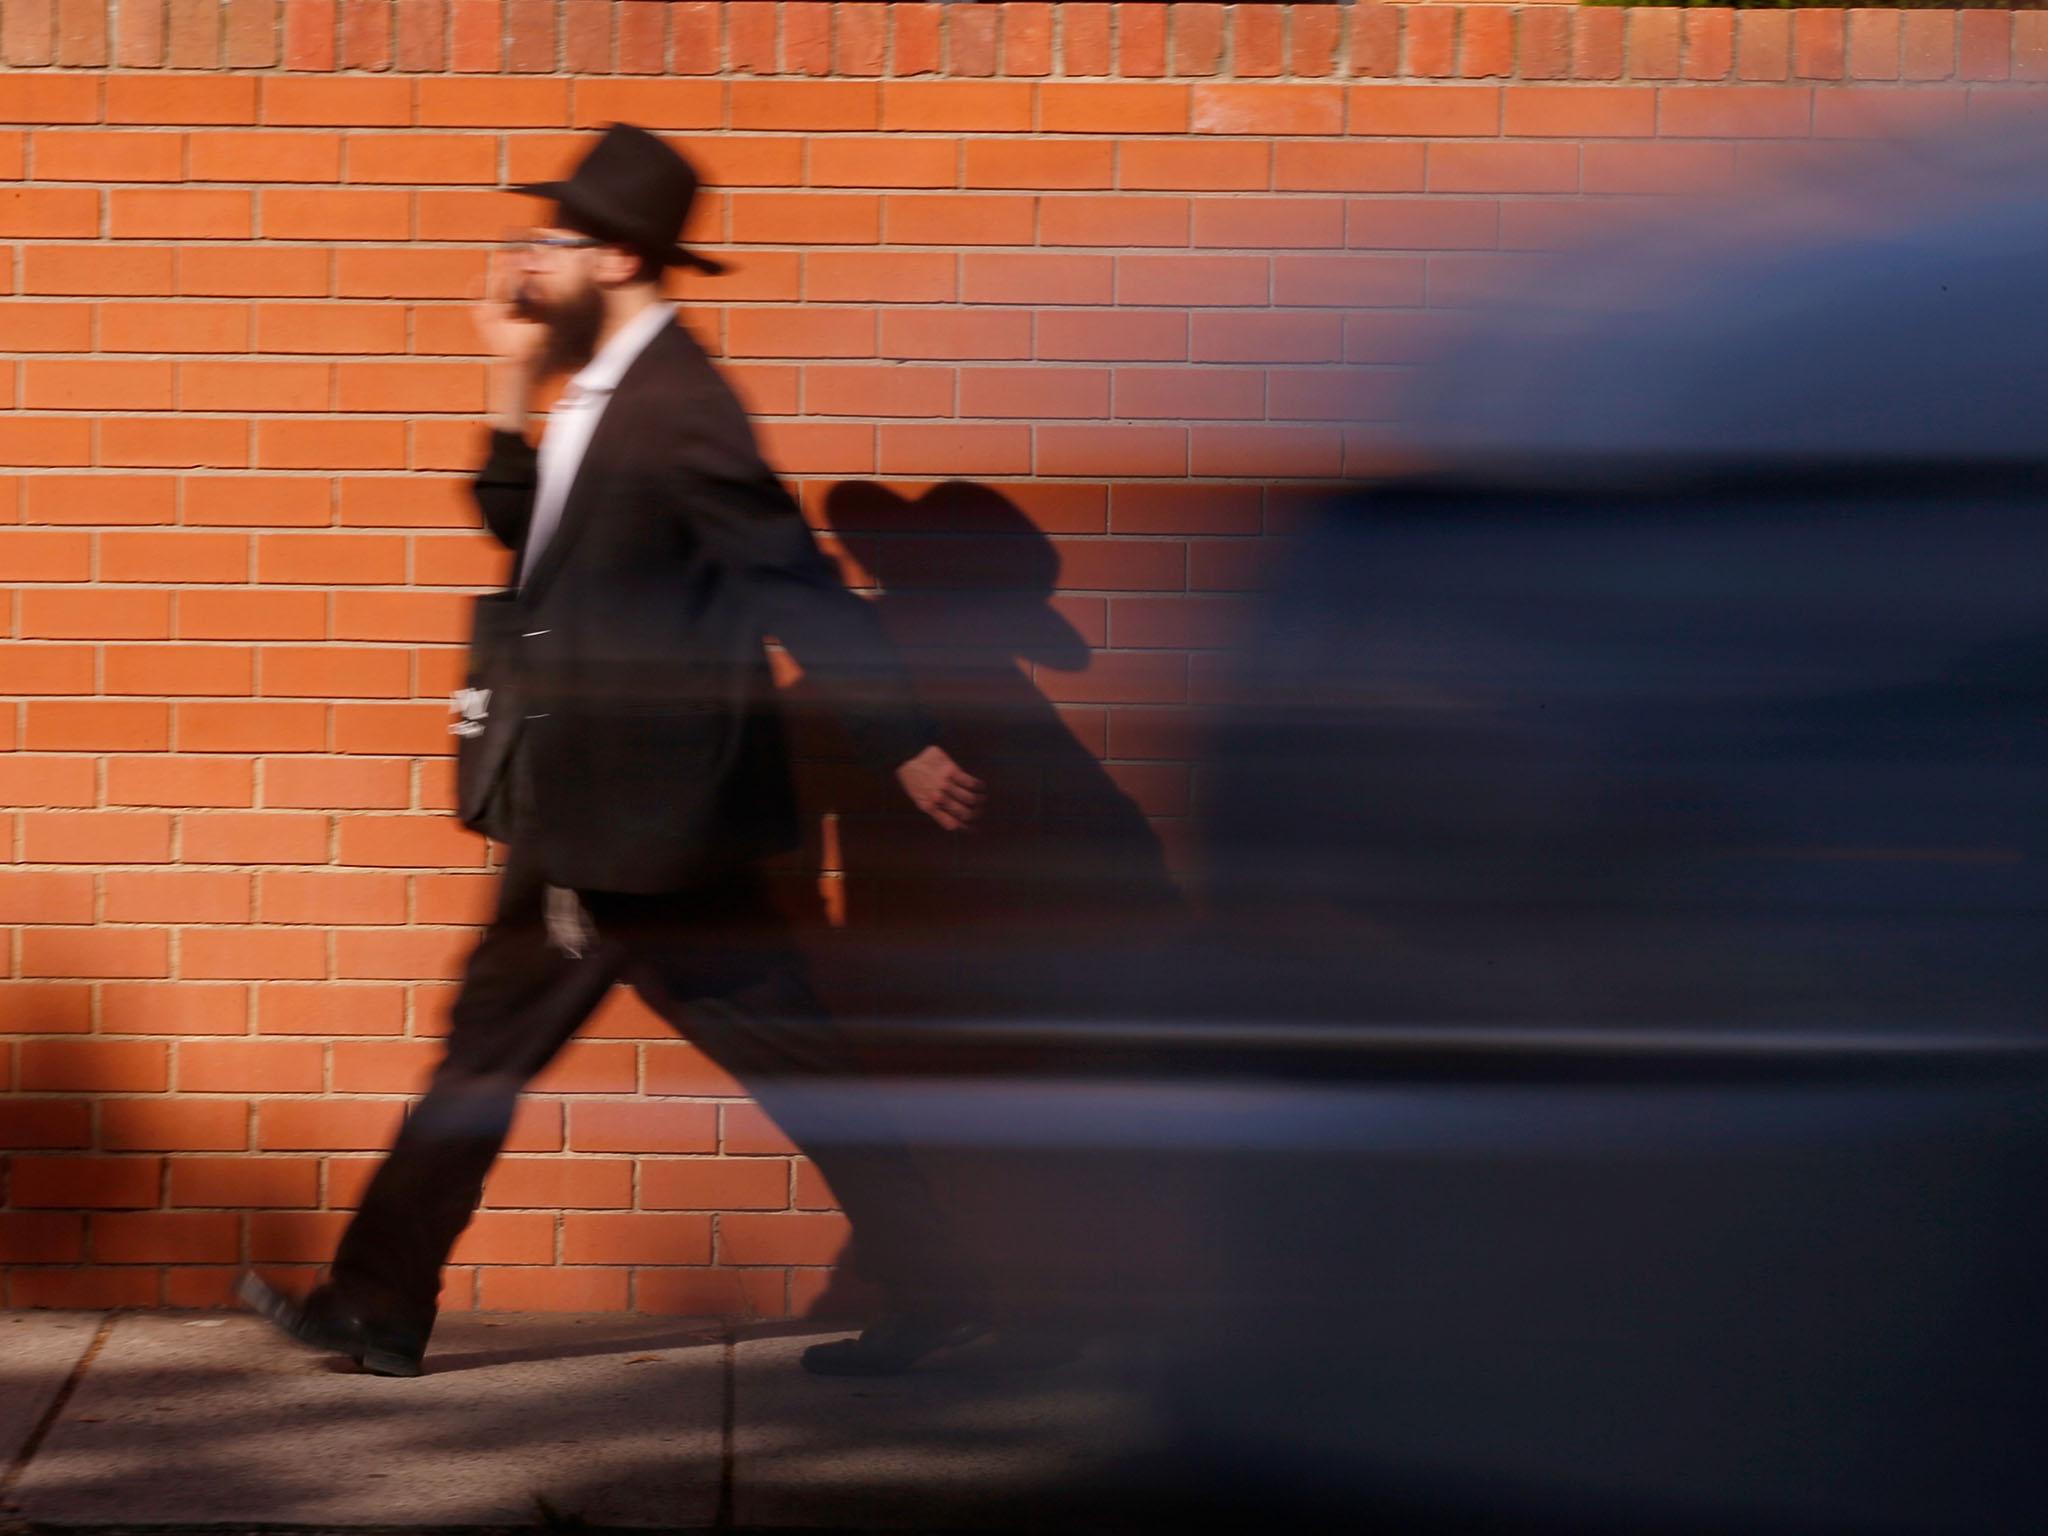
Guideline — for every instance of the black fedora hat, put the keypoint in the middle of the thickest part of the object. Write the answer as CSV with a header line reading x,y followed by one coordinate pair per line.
x,y
634,189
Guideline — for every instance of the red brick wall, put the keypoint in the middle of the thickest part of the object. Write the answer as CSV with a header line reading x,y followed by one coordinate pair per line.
x,y
1128,266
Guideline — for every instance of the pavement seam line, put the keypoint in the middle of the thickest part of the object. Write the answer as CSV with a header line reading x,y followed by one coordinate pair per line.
x,y
722,1520
18,1468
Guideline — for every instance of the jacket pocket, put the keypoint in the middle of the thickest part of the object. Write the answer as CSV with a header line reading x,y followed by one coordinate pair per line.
x,y
487,713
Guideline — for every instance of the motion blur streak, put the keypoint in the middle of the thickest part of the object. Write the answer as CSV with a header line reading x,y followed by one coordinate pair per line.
x,y
1629,832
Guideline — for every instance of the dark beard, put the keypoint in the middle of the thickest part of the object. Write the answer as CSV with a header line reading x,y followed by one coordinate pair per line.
x,y
573,327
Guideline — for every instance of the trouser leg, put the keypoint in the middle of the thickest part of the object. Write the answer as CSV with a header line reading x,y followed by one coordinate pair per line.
x,y
520,1000
722,969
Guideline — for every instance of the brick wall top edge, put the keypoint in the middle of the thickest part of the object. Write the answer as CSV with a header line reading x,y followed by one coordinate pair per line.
x,y
836,42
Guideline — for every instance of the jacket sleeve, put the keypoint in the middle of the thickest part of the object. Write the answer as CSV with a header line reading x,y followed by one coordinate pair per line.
x,y
755,531
504,488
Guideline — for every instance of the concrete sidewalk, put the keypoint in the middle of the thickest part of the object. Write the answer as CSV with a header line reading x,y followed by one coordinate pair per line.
x,y
181,1419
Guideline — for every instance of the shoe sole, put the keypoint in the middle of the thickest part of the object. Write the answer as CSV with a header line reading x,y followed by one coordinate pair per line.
x,y
821,1359
379,1362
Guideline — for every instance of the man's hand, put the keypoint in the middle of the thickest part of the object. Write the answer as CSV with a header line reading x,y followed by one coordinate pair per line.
x,y
941,788
514,342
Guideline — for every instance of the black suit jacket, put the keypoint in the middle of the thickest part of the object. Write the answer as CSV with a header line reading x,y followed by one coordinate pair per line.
x,y
650,739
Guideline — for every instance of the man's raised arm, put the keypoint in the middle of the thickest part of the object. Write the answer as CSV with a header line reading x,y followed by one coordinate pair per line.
x,y
504,486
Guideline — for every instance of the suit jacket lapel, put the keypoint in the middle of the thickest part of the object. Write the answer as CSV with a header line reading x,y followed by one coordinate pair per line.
x,y
605,447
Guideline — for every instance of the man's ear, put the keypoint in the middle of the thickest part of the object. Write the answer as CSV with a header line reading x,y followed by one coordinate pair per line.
x,y
616,265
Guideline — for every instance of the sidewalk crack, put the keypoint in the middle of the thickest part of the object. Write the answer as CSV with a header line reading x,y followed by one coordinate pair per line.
x,y
722,1520
18,1468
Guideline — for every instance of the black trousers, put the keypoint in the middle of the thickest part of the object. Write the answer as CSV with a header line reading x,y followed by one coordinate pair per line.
x,y
718,964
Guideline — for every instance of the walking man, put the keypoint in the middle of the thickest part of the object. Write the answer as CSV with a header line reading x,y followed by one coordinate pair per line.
x,y
632,758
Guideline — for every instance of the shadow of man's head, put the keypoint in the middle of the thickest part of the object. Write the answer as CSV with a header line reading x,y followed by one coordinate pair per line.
x,y
961,566
969,592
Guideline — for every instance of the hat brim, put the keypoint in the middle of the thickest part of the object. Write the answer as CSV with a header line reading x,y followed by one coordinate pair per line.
x,y
677,255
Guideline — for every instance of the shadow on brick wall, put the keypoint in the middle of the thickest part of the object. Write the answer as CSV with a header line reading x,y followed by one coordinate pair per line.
x,y
1045,911
1030,913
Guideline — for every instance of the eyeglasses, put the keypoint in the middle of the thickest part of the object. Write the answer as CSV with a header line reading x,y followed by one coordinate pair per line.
x,y
529,241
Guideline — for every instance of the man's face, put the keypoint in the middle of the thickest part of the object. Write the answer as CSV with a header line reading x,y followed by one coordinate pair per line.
x,y
558,286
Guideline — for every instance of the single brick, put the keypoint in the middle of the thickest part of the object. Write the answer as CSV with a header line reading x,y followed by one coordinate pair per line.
x,y
1874,44
1985,45
1709,44
1546,33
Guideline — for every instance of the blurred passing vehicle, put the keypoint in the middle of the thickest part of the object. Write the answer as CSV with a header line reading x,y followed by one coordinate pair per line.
x,y
1665,762
1607,1085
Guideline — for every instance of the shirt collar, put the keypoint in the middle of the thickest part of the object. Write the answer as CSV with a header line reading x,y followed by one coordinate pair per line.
x,y
602,373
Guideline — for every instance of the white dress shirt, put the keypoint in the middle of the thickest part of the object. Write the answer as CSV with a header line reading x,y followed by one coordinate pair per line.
x,y
575,417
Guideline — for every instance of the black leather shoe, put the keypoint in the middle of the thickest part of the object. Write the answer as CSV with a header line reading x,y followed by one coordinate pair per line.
x,y
892,1344
326,1322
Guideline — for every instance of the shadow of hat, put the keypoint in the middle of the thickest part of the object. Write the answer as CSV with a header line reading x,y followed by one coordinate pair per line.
x,y
968,545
